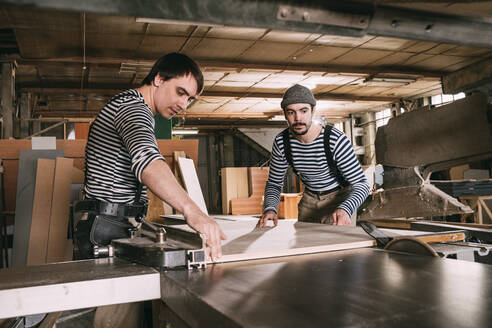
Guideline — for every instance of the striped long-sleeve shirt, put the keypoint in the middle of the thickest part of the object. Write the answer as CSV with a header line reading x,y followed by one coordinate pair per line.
x,y
120,146
310,162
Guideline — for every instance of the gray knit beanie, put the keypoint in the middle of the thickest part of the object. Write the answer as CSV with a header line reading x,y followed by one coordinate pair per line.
x,y
297,94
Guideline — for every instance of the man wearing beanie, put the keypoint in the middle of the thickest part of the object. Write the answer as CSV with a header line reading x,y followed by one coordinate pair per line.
x,y
324,160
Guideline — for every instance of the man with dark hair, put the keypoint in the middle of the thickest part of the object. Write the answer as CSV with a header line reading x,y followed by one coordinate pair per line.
x,y
324,160
123,160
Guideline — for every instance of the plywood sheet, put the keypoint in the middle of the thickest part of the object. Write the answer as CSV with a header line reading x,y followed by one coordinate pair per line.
x,y
250,205
258,177
190,179
38,237
60,208
245,242
24,204
234,182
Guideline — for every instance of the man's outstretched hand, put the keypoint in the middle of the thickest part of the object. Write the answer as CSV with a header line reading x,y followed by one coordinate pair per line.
x,y
206,225
340,217
268,215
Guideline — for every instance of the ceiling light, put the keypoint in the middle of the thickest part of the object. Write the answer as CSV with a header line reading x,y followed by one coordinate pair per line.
x,y
183,131
173,21
388,80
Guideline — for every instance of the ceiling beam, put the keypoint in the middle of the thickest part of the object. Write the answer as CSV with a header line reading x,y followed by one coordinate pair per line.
x,y
206,93
355,19
238,66
318,96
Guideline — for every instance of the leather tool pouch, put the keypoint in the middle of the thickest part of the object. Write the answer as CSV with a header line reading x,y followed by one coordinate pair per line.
x,y
106,228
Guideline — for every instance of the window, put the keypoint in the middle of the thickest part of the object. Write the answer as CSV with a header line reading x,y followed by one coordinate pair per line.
x,y
442,99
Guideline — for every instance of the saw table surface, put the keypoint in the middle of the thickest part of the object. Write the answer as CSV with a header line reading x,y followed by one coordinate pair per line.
x,y
364,287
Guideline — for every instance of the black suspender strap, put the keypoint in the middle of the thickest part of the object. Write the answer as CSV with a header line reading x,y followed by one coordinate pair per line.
x,y
287,150
329,157
138,194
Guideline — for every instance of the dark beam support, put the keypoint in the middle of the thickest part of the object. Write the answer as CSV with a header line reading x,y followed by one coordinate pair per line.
x,y
25,113
468,78
7,99
228,150
317,16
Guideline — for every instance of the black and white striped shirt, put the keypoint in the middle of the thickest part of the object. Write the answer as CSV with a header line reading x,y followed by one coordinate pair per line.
x,y
121,144
310,163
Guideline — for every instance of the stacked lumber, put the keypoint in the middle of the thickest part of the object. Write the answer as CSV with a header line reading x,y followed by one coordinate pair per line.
x,y
42,211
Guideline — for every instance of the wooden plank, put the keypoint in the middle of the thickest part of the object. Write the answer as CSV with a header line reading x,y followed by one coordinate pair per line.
x,y
190,179
391,223
234,184
443,238
257,180
41,210
155,207
60,207
24,203
250,205
257,177
81,130
287,209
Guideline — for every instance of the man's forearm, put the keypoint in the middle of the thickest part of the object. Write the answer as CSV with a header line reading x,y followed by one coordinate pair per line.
x,y
157,176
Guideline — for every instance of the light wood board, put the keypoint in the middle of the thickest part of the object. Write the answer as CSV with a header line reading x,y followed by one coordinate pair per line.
x,y
190,179
41,210
60,210
24,204
245,242
234,184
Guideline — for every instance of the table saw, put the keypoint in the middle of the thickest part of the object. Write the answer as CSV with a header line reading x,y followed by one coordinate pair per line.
x,y
325,276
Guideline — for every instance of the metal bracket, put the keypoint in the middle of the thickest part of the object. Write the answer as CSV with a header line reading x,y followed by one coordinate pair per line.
x,y
322,16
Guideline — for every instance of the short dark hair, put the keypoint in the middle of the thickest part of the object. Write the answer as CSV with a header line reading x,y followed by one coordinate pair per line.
x,y
175,65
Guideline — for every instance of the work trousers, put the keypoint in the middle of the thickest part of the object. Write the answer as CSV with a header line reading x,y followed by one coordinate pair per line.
x,y
100,230
314,208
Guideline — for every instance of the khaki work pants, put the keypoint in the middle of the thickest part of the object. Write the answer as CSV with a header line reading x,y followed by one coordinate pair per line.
x,y
314,208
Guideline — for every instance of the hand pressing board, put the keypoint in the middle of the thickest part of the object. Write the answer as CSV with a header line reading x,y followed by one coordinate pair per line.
x,y
190,180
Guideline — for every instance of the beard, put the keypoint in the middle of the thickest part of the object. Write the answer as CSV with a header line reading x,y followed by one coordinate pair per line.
x,y
299,133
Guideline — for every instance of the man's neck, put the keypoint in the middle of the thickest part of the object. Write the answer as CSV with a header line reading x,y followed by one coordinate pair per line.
x,y
146,91
311,135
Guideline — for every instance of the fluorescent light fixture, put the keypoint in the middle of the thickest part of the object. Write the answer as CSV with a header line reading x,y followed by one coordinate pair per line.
x,y
389,80
173,21
278,118
182,132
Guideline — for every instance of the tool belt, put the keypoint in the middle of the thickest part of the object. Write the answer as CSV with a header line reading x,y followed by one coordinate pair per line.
x,y
98,207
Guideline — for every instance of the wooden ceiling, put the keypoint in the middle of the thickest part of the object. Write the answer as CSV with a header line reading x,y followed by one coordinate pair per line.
x,y
73,61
